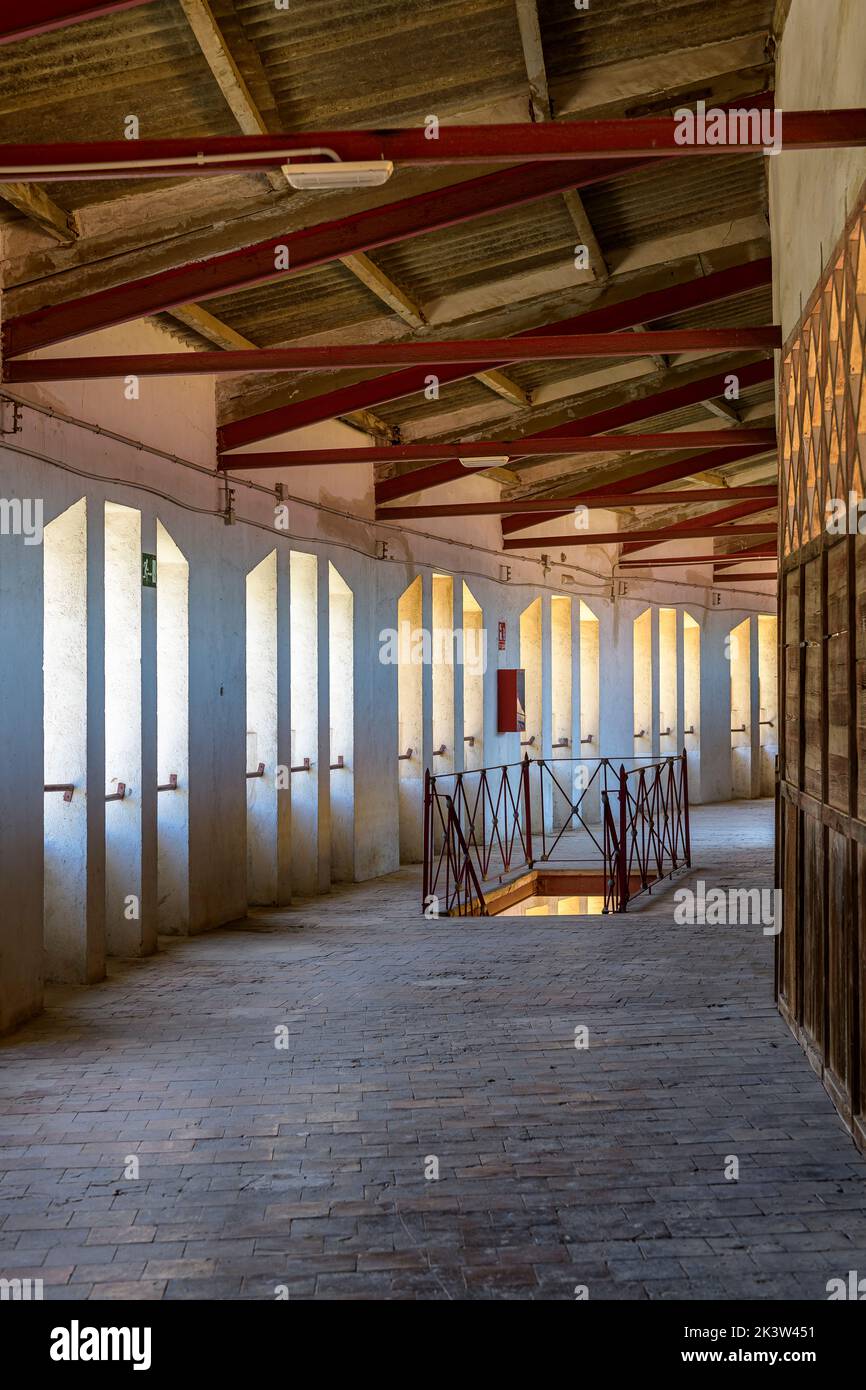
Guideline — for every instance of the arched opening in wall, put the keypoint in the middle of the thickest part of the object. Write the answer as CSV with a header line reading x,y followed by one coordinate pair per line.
x,y
410,730
172,733
123,589
261,730
474,662
668,703
561,700
442,657
643,685
64,665
305,723
768,685
341,659
531,662
739,646
691,689
590,738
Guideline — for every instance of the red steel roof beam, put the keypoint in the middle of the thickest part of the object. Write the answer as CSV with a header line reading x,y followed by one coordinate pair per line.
x,y
765,551
648,537
604,499
668,561
625,313
299,250
614,140
651,477
649,406
750,574
509,449
752,552
628,412
733,513
664,561
563,347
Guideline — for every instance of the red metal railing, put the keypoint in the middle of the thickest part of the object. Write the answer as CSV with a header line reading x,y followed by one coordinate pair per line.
x,y
646,828
486,827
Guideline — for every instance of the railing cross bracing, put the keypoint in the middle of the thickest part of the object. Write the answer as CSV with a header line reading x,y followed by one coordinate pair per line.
x,y
479,834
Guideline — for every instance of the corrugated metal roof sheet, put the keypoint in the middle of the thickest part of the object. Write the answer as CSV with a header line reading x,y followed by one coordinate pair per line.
x,y
309,302
381,62
674,195
487,248
750,310
333,65
618,30
506,245
79,84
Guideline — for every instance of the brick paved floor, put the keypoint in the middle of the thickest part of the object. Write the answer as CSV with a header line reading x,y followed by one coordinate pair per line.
x,y
304,1166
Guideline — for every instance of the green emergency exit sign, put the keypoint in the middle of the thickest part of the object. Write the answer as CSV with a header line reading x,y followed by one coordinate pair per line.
x,y
148,571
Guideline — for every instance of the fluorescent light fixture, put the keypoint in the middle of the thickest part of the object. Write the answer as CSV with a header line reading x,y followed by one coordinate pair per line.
x,y
339,174
495,461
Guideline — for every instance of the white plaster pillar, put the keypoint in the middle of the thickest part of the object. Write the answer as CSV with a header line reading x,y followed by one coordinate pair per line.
x,y
443,673
755,705
505,607
414,717
459,648
95,950
148,775
680,725
284,726
715,726
585,658
21,795
172,742
74,924
427,744
217,729
307,660
377,731
545,750
323,770
130,702
262,730
655,746
616,680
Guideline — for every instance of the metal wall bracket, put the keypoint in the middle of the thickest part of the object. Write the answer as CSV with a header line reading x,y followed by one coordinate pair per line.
x,y
66,787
